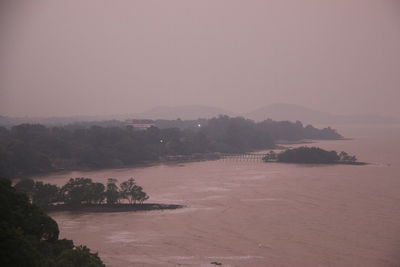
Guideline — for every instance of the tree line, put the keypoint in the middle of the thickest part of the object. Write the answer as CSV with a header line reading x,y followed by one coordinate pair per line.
x,y
78,191
310,155
28,149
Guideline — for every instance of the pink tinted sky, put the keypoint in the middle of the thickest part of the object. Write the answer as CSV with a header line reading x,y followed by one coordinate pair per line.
x,y
87,57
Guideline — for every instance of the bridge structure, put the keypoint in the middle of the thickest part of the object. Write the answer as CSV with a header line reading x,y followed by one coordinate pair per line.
x,y
243,157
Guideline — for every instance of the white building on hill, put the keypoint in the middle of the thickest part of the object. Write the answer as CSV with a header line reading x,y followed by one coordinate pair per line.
x,y
140,124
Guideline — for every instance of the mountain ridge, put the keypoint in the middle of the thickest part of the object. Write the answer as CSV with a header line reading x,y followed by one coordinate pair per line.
x,y
277,111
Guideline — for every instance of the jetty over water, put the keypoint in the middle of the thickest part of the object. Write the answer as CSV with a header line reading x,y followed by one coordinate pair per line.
x,y
256,157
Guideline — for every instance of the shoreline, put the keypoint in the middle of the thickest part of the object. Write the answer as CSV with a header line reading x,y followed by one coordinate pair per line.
x,y
358,163
176,159
121,207
172,160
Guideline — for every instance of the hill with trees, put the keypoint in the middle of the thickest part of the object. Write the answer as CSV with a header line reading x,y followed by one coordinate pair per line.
x,y
30,238
28,149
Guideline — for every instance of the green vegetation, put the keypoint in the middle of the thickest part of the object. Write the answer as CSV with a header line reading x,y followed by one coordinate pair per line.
x,y
29,237
33,149
79,191
311,155
132,192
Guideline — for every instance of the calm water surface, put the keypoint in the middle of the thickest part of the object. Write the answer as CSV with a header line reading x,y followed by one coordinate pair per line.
x,y
256,214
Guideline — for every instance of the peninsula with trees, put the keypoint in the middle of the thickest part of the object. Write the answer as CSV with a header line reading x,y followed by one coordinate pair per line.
x,y
82,194
312,155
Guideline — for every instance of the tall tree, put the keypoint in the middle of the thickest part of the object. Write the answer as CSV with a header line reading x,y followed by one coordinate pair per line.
x,y
77,191
112,192
128,190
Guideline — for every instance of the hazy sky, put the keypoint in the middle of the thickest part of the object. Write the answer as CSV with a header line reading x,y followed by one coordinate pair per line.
x,y
86,57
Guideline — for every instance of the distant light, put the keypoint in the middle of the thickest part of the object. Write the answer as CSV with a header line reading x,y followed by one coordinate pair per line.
x,y
161,140
199,125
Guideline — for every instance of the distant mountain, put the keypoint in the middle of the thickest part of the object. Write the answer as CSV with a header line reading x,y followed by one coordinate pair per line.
x,y
289,112
365,118
163,112
278,112
293,112
60,121
182,112
9,121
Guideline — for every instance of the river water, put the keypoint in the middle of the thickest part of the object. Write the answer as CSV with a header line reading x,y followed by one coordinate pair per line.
x,y
248,213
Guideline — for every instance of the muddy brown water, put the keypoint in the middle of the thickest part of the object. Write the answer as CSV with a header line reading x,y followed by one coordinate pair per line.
x,y
248,213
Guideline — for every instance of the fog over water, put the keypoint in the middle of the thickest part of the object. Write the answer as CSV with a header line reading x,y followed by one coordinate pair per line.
x,y
244,213
97,57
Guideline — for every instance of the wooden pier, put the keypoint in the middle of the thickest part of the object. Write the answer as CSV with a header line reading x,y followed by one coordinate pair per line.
x,y
254,157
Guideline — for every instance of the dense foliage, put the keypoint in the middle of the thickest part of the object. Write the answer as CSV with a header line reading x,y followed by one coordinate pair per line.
x,y
29,237
32,149
310,155
277,130
80,191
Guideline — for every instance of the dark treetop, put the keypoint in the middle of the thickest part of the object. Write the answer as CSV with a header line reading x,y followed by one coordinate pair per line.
x,y
82,191
311,155
29,237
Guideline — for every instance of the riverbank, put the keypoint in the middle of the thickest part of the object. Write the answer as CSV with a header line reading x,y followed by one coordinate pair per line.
x,y
254,214
176,159
357,163
122,207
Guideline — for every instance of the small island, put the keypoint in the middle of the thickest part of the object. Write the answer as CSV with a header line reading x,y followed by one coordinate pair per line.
x,y
312,155
84,195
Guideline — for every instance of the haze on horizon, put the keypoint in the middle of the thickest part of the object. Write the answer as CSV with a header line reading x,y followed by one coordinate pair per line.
x,y
98,57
